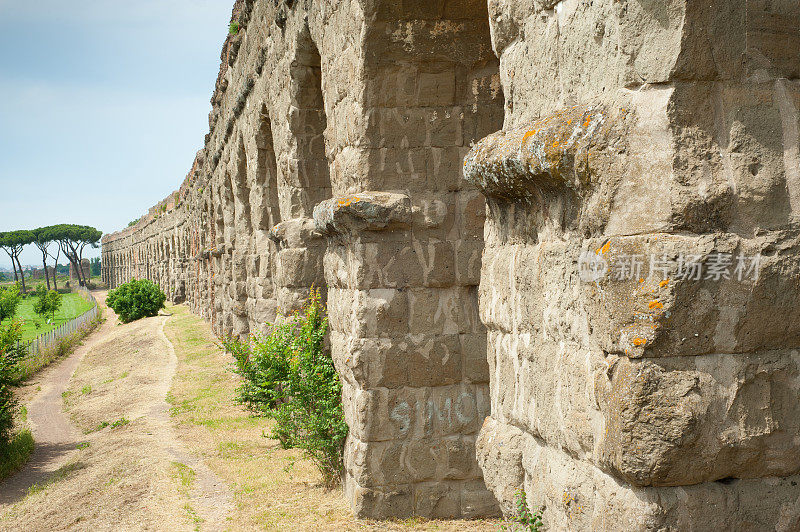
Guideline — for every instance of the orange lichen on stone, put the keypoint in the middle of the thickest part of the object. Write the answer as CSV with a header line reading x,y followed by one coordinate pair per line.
x,y
346,202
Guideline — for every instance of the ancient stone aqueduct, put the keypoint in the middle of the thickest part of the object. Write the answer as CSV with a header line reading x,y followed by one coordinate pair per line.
x,y
353,147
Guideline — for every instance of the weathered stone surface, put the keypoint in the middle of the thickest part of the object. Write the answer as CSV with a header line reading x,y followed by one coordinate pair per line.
x,y
368,211
640,141
638,400
578,496
334,160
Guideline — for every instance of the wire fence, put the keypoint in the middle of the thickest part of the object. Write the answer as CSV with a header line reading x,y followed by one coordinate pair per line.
x,y
43,341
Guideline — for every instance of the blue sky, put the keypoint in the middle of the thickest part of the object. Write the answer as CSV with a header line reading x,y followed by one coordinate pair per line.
x,y
103,104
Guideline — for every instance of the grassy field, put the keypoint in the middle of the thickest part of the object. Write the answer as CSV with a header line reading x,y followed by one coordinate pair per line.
x,y
72,305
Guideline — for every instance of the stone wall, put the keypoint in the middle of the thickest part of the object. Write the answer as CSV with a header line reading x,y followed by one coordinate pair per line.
x,y
640,280
640,273
334,160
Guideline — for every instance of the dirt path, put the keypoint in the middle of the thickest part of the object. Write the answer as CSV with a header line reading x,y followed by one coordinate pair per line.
x,y
139,430
107,455
210,495
56,438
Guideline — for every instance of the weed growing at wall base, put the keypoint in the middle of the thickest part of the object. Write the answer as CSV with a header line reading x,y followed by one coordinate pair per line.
x,y
289,375
525,520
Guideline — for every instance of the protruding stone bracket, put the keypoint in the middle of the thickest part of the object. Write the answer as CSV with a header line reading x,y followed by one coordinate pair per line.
x,y
549,156
366,211
294,233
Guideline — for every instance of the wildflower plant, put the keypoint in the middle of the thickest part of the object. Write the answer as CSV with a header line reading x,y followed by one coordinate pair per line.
x,y
288,374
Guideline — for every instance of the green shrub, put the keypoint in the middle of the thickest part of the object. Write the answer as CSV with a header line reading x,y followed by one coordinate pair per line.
x,y
9,301
47,302
233,29
289,375
10,353
136,299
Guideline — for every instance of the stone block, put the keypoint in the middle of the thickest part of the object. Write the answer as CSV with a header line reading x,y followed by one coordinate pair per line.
x,y
687,420
371,362
385,414
443,311
468,255
438,258
474,355
717,304
380,312
395,501
433,360
436,88
378,464
477,501
415,413
577,496
439,500
299,267
444,168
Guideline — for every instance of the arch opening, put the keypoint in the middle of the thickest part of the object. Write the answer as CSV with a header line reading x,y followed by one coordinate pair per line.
x,y
308,123
267,213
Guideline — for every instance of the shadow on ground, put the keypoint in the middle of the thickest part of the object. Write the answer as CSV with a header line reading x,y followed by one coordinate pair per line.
x,y
14,488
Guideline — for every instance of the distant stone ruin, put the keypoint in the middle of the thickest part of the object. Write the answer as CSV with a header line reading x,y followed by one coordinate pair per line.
x,y
629,240
86,270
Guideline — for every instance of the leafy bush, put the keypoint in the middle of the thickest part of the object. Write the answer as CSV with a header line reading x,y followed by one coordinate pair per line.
x,y
47,302
265,364
10,353
233,29
136,299
9,300
289,376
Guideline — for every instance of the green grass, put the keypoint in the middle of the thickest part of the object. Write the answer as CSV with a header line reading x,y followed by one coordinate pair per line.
x,y
121,422
28,366
14,456
72,306
184,473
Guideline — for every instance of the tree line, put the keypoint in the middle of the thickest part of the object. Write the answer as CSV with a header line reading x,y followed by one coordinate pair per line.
x,y
70,240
